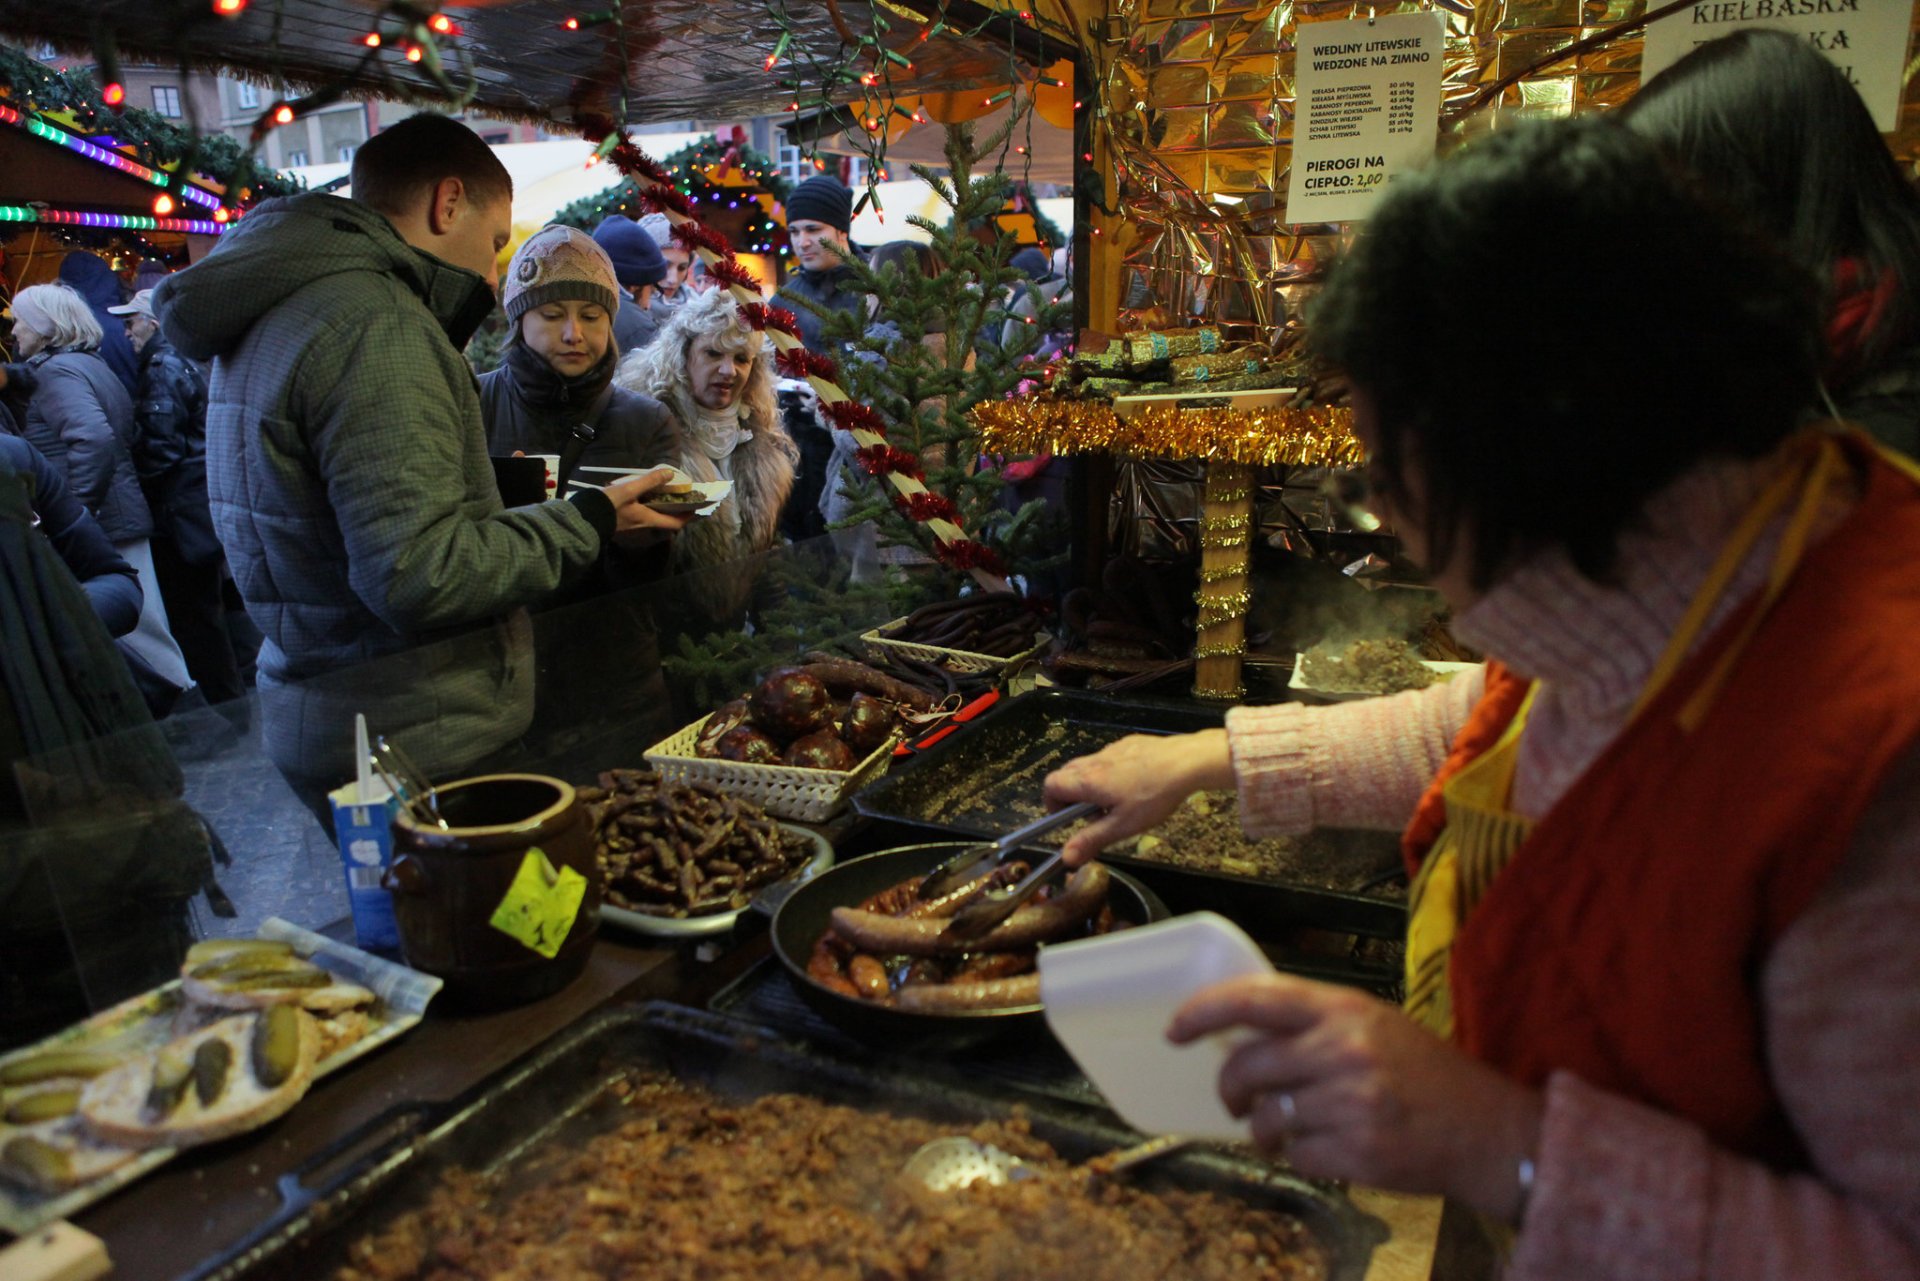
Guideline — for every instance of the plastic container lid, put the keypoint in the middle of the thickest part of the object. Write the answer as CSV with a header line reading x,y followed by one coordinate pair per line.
x,y
1109,1000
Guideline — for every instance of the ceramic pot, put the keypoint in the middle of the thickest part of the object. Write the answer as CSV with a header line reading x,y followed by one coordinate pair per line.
x,y
447,885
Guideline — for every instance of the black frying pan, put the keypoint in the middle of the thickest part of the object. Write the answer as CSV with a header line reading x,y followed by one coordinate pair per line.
x,y
804,917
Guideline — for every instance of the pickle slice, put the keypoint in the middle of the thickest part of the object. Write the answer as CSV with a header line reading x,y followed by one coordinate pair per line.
x,y
209,950
275,1050
212,1063
43,1106
55,1064
40,1164
172,1070
304,976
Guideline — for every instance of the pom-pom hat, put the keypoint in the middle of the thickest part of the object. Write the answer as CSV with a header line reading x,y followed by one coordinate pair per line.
x,y
558,264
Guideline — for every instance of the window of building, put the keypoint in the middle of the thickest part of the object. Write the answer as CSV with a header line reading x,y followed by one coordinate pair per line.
x,y
344,153
166,100
496,139
296,158
246,94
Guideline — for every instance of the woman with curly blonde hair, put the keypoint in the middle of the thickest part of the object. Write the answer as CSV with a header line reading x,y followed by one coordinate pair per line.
x,y
715,372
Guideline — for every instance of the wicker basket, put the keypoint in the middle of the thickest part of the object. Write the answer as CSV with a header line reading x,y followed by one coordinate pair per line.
x,y
810,795
956,660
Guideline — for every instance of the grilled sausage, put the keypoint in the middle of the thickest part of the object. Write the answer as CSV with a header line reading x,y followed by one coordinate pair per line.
x,y
1082,896
950,998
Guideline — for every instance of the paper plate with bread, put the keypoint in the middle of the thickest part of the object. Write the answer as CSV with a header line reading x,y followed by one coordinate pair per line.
x,y
231,1045
681,496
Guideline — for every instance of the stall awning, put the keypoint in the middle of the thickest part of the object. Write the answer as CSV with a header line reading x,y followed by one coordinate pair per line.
x,y
667,59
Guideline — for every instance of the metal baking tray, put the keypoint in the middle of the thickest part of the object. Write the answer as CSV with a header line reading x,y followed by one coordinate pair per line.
x,y
564,1092
996,761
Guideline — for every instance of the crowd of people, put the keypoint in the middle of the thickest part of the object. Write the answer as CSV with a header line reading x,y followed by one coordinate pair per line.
x,y
335,471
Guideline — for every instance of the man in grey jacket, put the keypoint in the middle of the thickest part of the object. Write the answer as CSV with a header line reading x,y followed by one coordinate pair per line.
x,y
348,466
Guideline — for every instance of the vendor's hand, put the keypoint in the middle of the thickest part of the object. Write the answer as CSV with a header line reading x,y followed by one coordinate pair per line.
x,y
631,513
1139,781
1350,1088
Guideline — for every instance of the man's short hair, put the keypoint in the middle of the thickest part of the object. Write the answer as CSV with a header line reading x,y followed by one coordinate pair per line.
x,y
394,170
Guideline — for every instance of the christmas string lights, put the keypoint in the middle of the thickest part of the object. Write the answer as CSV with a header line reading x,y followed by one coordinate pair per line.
x,y
130,222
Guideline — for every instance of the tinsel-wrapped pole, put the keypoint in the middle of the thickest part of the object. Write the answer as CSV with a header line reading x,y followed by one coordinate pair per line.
x,y
1226,540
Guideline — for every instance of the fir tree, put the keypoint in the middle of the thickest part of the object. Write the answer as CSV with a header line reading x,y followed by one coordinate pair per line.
x,y
924,389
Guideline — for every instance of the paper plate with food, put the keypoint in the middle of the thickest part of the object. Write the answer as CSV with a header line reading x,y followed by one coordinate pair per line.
x,y
231,1045
1339,672
681,496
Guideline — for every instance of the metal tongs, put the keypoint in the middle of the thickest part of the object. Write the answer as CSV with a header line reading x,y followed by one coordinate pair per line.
x,y
987,909
404,779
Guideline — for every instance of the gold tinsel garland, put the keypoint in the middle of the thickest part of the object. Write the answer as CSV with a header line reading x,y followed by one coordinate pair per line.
x,y
1320,436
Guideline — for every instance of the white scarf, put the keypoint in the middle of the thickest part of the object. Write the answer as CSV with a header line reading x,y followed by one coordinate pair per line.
x,y
718,433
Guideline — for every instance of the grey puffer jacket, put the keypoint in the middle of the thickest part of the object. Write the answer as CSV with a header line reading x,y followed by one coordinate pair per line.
x,y
81,418
347,466
830,291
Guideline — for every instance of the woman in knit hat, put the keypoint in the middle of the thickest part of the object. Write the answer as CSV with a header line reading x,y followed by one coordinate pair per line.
x,y
553,393
598,691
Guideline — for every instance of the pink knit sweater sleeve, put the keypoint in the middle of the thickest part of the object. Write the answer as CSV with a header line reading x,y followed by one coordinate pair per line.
x,y
1627,1192
1361,764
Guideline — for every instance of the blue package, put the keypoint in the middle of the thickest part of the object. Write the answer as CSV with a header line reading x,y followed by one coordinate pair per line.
x,y
365,831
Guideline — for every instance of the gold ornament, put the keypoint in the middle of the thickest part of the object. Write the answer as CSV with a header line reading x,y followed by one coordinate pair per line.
x,y
1220,651
1319,436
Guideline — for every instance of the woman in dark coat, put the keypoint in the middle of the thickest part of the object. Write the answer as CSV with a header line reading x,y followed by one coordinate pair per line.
x,y
553,394
78,415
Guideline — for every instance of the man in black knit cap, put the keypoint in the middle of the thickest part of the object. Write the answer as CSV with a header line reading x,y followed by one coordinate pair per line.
x,y
819,215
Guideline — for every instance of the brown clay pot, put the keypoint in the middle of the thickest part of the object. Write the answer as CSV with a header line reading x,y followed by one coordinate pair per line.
x,y
446,885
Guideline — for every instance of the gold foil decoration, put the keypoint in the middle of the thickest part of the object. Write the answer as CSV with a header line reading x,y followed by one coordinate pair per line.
x,y
1319,436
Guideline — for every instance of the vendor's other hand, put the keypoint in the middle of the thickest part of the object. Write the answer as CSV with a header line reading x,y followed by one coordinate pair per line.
x,y
631,513
1350,1088
1139,781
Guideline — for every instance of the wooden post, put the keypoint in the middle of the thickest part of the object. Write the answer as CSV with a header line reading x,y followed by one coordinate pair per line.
x,y
1226,538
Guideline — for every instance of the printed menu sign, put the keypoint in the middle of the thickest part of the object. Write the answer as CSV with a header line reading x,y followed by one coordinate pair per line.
x,y
1366,107
1866,39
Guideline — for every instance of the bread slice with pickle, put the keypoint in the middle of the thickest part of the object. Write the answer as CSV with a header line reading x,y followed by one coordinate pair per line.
x,y
224,1079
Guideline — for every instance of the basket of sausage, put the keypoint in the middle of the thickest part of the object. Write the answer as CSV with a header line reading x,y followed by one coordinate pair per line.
x,y
985,632
805,738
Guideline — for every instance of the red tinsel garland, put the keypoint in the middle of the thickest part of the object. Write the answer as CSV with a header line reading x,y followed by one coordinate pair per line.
x,y
729,272
798,362
926,506
966,555
884,460
695,234
666,199
851,415
761,316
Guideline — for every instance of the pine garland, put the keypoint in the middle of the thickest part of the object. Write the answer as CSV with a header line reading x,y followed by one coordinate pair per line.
x,y
156,142
686,170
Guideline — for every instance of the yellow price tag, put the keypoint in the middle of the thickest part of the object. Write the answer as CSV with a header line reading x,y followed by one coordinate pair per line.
x,y
541,905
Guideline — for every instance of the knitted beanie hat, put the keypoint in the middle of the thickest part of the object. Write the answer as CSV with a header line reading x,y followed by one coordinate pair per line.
x,y
636,255
558,264
821,199
657,226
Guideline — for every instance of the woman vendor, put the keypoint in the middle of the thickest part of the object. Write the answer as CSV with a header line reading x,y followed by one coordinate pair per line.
x,y
1664,947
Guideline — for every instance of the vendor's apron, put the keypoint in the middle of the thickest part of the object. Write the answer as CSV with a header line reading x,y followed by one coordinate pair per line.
x,y
1482,832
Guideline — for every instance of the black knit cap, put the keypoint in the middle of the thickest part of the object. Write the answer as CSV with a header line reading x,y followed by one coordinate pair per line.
x,y
821,199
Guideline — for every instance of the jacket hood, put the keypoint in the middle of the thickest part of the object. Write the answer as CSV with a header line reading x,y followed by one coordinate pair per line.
x,y
283,246
91,278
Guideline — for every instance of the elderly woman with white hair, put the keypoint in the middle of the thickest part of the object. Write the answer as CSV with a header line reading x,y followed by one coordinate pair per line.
x,y
78,414
715,372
